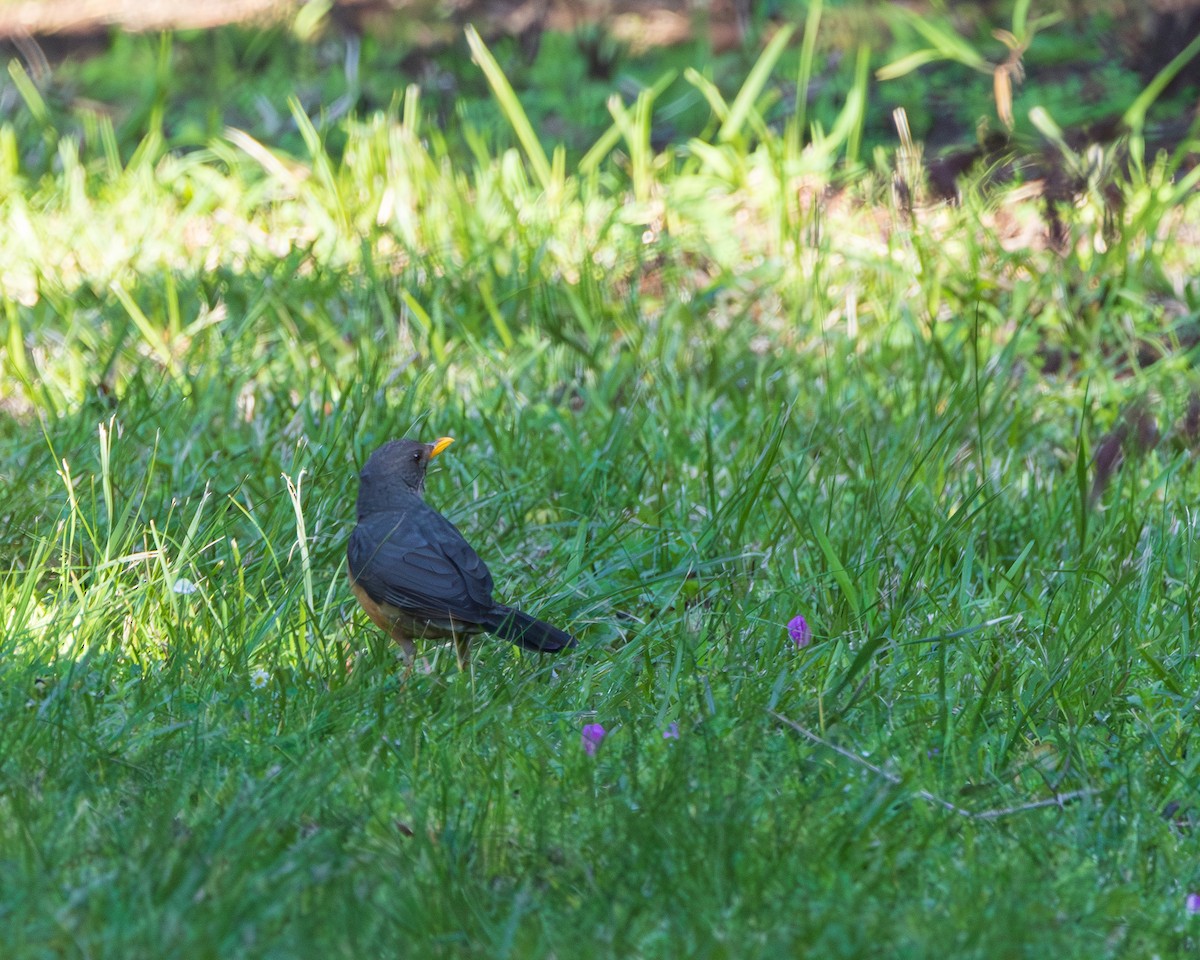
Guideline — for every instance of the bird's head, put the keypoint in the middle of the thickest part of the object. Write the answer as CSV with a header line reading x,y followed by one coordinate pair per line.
x,y
396,468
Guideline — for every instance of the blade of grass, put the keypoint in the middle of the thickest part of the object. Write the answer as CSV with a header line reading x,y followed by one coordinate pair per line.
x,y
510,105
808,50
746,97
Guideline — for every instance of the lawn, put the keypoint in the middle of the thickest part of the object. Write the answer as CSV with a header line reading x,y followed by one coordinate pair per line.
x,y
706,376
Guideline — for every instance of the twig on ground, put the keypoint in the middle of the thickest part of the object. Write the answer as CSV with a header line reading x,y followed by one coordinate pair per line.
x,y
1057,800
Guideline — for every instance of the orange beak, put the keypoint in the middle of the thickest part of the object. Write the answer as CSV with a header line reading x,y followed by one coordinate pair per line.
x,y
439,446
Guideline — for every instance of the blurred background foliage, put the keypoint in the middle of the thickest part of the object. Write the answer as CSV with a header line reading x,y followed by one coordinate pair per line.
x,y
105,59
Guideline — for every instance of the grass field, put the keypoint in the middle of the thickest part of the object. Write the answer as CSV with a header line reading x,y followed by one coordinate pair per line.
x,y
697,392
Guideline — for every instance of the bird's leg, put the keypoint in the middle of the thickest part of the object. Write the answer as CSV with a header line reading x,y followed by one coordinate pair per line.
x,y
462,650
408,649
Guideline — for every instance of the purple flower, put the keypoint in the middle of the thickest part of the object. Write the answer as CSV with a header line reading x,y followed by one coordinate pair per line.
x,y
593,733
672,731
1192,904
799,631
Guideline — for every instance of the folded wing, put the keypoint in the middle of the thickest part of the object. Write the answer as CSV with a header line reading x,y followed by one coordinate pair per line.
x,y
417,560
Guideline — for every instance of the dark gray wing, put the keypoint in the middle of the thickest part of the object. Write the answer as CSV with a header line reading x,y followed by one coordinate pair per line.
x,y
417,560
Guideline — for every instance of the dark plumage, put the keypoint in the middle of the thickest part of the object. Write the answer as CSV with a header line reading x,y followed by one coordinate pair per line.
x,y
413,572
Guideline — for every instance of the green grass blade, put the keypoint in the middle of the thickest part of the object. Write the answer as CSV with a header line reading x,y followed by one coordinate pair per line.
x,y
804,71
743,103
513,111
1134,117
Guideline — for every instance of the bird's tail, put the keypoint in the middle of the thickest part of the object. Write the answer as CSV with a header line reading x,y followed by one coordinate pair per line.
x,y
529,632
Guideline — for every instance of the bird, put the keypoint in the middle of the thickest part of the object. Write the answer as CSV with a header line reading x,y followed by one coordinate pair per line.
x,y
414,573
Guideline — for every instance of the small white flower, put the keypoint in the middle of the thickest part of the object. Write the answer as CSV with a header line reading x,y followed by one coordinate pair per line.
x,y
259,678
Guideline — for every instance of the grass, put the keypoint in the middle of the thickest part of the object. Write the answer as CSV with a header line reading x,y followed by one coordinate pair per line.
x,y
695,396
